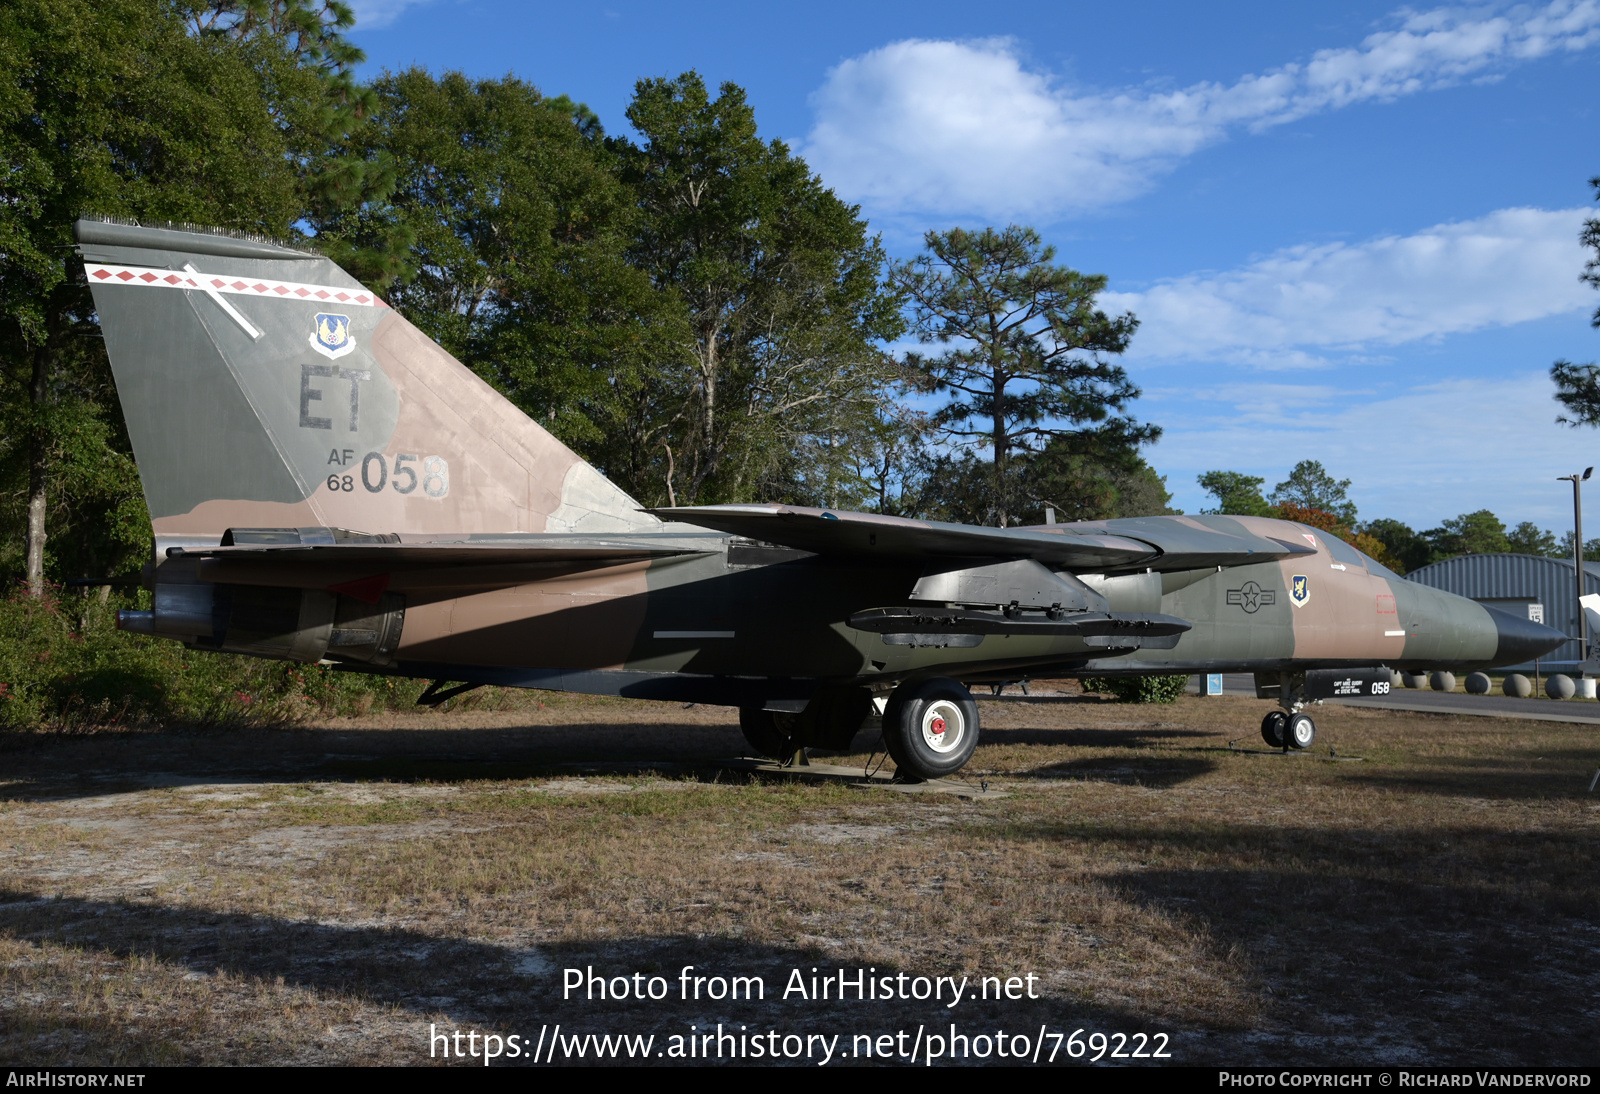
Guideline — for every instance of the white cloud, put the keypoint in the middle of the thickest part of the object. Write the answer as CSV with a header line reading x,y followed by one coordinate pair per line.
x,y
1294,308
1423,455
965,128
376,14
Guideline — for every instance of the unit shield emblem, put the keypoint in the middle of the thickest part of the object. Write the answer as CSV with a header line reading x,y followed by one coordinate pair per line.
x,y
331,337
1299,590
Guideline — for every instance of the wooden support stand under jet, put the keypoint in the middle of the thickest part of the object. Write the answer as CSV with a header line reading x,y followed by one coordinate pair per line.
x,y
276,406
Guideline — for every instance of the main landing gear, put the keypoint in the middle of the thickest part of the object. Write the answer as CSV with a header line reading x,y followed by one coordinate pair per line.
x,y
930,727
772,733
1288,728
830,720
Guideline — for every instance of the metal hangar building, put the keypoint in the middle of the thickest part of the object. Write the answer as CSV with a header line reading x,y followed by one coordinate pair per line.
x,y
1527,586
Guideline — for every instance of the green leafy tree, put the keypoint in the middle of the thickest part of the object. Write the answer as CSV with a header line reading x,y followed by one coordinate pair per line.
x,y
1479,533
1591,548
1093,475
1078,480
784,308
954,485
890,461
338,174
1237,494
1528,538
1027,348
1404,545
1142,492
311,32
519,229
1310,486
118,108
1578,386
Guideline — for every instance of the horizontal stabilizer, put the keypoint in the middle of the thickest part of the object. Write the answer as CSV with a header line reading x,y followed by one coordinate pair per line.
x,y
363,569
561,547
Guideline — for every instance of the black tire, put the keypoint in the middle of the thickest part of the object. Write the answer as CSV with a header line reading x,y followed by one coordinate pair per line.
x,y
915,724
1273,727
1301,731
832,718
769,732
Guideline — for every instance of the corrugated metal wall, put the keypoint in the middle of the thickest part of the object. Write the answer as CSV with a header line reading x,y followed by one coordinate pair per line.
x,y
1525,578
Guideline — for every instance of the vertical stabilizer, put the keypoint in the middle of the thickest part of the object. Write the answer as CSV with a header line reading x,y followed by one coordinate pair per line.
x,y
264,387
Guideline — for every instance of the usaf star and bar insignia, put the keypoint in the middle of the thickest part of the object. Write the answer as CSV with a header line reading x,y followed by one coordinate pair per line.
x,y
1252,597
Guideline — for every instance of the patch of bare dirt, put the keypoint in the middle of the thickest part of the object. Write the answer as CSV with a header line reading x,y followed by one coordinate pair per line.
x,y
1417,889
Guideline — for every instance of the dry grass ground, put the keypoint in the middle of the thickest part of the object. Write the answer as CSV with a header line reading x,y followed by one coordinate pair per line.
x,y
324,893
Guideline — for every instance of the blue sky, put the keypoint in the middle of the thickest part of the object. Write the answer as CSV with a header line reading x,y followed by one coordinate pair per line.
x,y
1348,236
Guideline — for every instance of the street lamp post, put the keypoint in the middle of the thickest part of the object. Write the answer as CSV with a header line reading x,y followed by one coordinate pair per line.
x,y
1577,555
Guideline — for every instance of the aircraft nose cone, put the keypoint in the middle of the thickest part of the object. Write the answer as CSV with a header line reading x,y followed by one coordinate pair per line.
x,y
1523,639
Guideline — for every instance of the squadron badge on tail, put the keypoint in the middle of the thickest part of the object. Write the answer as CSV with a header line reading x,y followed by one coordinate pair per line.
x,y
331,336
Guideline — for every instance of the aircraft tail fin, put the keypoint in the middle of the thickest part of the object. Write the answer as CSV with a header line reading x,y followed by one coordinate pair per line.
x,y
264,387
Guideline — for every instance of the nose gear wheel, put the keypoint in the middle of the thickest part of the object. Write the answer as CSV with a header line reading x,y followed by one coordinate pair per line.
x,y
1273,727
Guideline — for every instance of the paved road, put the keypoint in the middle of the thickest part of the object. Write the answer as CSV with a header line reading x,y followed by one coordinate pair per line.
x,y
1444,702
1585,711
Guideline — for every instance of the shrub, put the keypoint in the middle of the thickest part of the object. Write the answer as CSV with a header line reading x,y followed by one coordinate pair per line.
x,y
1138,689
64,665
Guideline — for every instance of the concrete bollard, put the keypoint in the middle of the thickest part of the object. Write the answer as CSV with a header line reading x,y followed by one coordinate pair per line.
x,y
1478,683
1443,681
1560,687
1397,679
1586,687
1414,680
1517,686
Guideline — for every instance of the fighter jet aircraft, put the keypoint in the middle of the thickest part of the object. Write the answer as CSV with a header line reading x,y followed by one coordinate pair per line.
x,y
327,484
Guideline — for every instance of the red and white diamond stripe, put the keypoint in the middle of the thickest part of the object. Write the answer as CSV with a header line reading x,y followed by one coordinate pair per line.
x,y
228,283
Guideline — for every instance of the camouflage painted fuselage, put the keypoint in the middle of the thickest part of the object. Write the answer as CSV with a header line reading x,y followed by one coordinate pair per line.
x,y
274,404
746,613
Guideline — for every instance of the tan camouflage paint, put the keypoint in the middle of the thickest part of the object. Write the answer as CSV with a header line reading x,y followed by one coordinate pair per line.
x,y
1342,617
507,473
576,621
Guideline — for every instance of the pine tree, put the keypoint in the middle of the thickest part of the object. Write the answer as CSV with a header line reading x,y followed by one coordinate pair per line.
x,y
783,303
1027,348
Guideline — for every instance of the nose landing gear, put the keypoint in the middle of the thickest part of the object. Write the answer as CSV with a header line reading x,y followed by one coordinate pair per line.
x,y
1283,730
1273,727
1288,728
1301,731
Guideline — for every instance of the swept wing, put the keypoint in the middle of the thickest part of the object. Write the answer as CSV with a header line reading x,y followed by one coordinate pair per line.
x,y
1162,544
